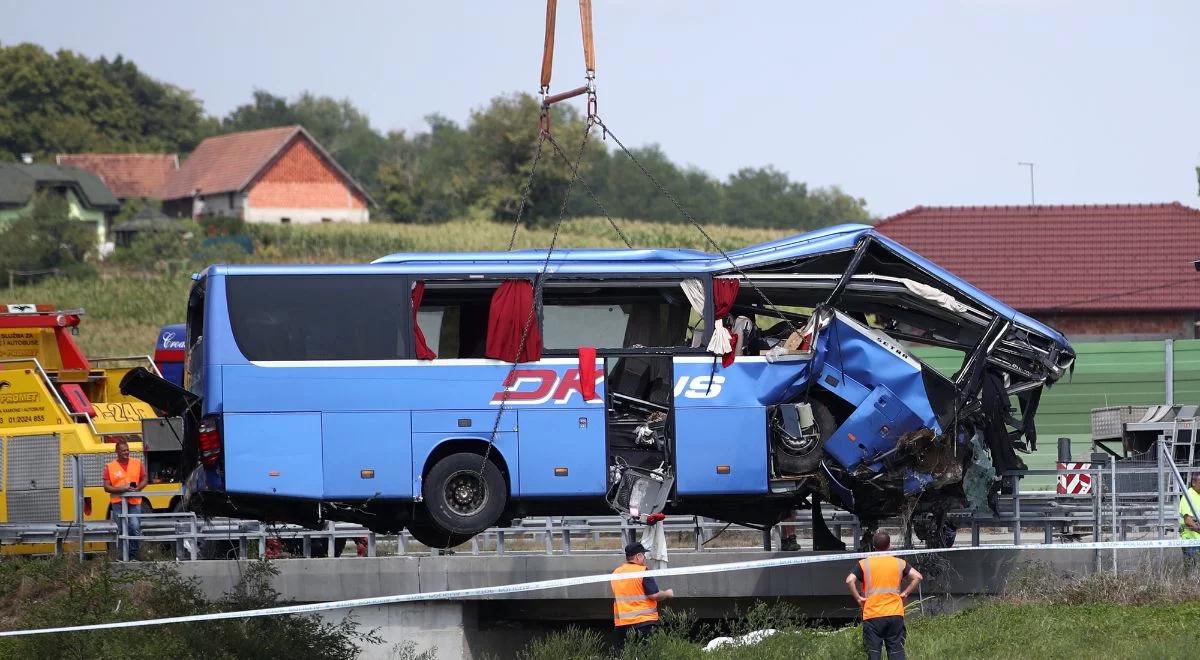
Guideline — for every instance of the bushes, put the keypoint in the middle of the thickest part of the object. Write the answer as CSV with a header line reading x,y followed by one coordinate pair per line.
x,y
47,238
54,592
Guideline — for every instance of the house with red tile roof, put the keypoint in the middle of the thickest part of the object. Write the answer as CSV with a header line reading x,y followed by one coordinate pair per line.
x,y
1095,272
128,176
276,175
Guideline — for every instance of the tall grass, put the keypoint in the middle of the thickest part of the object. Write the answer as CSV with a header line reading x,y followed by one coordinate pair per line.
x,y
125,309
1149,611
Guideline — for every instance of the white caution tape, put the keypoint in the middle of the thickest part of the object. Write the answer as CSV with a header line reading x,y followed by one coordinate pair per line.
x,y
542,585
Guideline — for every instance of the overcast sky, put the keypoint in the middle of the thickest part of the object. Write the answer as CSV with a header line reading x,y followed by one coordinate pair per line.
x,y
902,103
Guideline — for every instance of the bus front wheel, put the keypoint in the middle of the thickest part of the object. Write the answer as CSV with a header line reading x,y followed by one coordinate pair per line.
x,y
464,494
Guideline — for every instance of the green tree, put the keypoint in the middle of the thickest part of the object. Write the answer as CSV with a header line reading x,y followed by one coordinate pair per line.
x,y
339,126
425,178
503,137
64,103
765,197
47,238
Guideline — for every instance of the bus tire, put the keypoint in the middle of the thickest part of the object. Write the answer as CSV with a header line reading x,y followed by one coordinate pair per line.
x,y
826,425
426,535
464,494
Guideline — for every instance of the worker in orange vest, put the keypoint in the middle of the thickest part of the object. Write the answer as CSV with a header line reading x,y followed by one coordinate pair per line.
x,y
636,599
126,475
882,599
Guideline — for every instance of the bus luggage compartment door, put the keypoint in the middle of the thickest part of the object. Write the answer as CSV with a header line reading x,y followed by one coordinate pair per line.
x,y
562,452
367,454
872,429
273,454
721,450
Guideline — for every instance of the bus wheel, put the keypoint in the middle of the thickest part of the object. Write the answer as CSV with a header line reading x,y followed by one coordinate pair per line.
x,y
464,494
802,457
427,535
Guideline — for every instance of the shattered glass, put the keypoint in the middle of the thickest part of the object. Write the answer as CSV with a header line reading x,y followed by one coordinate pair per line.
x,y
980,476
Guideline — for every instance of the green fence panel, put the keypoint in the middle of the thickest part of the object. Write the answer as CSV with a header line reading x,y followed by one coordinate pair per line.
x,y
1187,371
1106,374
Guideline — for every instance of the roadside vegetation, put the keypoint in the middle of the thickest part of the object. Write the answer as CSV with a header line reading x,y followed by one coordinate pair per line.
x,y
144,286
1146,613
48,592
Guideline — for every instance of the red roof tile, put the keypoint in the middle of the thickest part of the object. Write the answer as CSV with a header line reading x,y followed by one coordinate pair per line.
x,y
1085,258
227,163
127,175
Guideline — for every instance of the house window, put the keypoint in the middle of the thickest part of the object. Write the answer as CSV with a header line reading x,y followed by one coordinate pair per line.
x,y
232,205
286,221
326,219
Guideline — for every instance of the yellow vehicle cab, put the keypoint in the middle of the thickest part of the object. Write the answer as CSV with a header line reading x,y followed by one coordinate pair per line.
x,y
58,409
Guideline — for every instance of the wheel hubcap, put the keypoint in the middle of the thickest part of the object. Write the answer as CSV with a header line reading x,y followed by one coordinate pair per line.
x,y
465,493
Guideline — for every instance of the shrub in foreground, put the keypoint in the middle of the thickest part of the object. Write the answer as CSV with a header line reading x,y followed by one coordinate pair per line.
x,y
39,593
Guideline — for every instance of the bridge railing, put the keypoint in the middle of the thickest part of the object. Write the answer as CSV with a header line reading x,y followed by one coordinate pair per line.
x,y
1122,500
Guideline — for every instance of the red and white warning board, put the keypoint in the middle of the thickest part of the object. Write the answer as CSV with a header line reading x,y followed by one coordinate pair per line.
x,y
1075,483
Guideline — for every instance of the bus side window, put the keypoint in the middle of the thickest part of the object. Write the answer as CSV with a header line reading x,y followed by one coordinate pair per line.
x,y
454,319
611,315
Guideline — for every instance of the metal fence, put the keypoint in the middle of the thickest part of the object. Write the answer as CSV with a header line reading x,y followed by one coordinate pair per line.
x,y
1127,499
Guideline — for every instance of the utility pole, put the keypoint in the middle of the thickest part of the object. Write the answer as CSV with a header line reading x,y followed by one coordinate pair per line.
x,y
1032,200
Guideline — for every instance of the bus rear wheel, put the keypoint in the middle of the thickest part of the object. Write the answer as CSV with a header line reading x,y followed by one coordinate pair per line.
x,y
464,495
426,535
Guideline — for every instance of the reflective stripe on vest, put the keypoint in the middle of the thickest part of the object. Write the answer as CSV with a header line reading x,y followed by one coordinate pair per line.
x,y
881,586
119,476
631,606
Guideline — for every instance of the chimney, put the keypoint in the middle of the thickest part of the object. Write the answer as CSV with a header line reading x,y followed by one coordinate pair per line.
x,y
27,158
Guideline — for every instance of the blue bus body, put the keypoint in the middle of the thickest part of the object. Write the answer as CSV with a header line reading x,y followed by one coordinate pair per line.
x,y
850,418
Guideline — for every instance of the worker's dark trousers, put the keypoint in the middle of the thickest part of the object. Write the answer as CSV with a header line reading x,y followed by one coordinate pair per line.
x,y
625,633
884,631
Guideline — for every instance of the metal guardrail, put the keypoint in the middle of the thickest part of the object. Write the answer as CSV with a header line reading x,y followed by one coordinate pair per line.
x,y
1106,512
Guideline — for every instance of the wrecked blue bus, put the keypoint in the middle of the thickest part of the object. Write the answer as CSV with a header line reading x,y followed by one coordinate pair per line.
x,y
407,394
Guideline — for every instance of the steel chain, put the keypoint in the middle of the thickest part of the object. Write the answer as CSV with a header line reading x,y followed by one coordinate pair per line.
x,y
537,156
688,216
539,284
588,189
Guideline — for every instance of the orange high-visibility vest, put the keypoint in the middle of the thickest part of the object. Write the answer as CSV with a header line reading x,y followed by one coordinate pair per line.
x,y
124,476
631,605
881,586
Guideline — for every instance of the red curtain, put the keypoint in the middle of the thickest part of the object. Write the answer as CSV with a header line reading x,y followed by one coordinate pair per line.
x,y
587,372
511,310
422,348
725,292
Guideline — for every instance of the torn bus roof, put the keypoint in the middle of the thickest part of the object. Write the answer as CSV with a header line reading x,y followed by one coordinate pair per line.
x,y
826,241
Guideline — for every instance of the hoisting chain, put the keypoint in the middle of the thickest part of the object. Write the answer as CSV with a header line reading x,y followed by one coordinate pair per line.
x,y
537,156
538,287
688,216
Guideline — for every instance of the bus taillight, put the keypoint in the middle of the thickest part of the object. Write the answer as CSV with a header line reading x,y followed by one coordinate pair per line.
x,y
209,440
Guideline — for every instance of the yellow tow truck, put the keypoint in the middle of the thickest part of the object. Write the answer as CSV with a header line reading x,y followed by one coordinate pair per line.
x,y
59,409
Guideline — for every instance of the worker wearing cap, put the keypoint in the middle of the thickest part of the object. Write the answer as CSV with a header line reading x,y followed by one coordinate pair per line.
x,y
1189,527
636,599
125,475
883,602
